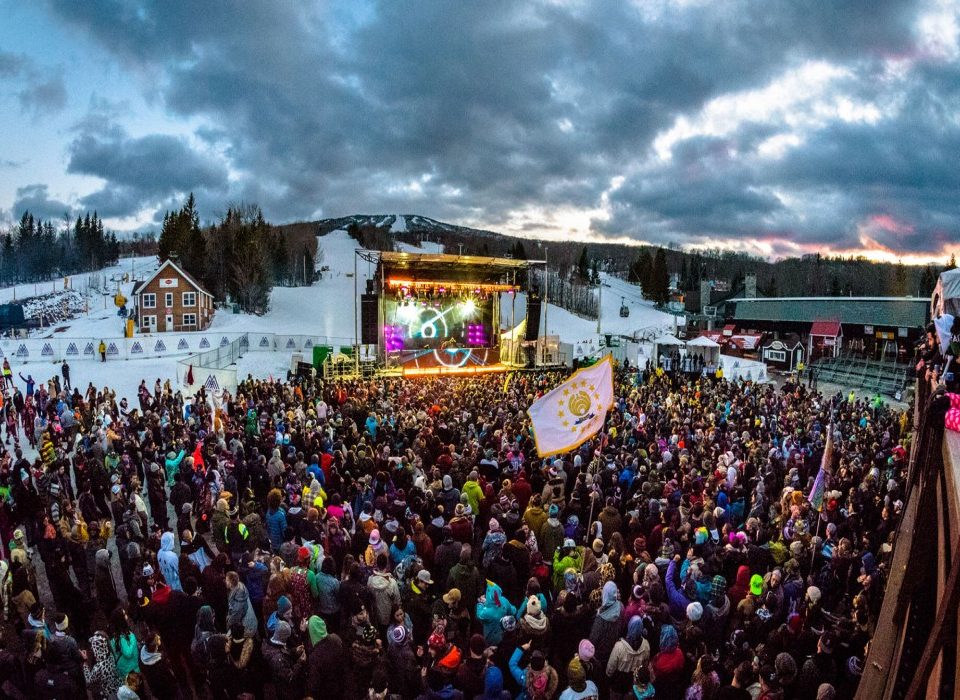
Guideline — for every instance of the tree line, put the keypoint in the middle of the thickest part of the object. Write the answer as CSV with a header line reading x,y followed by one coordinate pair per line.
x,y
239,258
36,250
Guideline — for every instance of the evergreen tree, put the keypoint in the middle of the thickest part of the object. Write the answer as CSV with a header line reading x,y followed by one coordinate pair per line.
x,y
953,262
928,280
641,272
899,288
583,265
660,278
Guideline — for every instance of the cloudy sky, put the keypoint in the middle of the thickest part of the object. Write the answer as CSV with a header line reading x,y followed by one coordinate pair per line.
x,y
776,127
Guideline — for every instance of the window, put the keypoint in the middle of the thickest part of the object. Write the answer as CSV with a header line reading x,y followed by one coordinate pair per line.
x,y
901,332
149,321
189,320
775,355
868,330
189,298
168,299
149,301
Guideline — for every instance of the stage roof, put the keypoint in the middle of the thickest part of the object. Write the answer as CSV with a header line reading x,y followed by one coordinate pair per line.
x,y
409,260
426,266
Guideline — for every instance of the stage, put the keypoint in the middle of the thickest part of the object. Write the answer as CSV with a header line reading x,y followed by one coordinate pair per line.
x,y
430,314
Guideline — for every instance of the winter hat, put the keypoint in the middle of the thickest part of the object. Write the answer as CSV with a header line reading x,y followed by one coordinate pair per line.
x,y
756,584
533,606
554,511
397,634
538,661
283,606
700,536
786,667
477,644
568,543
694,612
813,594
508,623
62,623
374,537
282,633
597,545
147,570
826,692
718,588
585,650
494,525
576,676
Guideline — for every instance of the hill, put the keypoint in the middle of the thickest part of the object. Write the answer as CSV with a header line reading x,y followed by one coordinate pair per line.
x,y
809,275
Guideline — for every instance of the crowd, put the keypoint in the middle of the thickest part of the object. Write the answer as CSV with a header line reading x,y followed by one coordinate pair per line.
x,y
400,538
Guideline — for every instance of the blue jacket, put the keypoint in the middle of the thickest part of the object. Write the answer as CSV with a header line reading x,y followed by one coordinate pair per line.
x,y
276,524
678,601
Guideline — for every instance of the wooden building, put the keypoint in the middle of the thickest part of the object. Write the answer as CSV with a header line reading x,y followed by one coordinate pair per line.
x,y
171,300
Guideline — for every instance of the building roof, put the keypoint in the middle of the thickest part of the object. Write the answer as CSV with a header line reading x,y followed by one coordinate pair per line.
x,y
183,273
702,341
790,340
828,329
868,311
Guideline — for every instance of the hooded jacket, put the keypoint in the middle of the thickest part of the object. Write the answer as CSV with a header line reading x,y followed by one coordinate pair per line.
x,y
493,685
629,653
385,594
102,676
240,610
325,662
606,625
169,562
739,590
490,610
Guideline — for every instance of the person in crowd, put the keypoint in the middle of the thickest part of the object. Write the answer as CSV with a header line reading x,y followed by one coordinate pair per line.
x,y
352,538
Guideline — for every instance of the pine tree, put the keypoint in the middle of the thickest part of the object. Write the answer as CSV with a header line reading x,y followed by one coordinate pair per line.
x,y
583,265
641,272
928,280
660,278
899,288
953,262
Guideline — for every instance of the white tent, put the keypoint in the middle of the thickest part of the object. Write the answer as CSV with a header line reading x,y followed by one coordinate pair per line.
x,y
665,345
703,347
946,295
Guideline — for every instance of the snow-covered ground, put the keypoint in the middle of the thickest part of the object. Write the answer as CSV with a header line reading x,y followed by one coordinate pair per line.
x,y
324,309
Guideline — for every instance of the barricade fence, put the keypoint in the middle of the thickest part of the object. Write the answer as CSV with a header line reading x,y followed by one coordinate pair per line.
x,y
21,351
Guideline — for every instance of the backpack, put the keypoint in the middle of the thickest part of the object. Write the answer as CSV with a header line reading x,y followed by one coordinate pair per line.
x,y
199,652
300,595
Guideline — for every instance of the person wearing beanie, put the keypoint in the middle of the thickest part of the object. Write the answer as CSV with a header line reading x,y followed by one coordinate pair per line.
x,y
551,534
606,623
538,679
534,625
632,651
694,612
470,674
578,686
286,665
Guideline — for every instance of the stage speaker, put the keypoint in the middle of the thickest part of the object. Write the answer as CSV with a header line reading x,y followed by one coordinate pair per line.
x,y
369,319
533,316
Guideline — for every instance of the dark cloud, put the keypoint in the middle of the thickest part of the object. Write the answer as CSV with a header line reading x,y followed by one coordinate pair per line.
x,y
36,199
139,171
474,110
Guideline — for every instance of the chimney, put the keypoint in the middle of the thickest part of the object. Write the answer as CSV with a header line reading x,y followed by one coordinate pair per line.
x,y
750,285
704,294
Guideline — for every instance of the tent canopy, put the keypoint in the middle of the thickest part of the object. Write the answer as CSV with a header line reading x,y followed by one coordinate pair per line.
x,y
702,342
946,295
669,340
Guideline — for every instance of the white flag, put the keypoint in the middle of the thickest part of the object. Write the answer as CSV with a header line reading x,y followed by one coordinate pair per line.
x,y
575,411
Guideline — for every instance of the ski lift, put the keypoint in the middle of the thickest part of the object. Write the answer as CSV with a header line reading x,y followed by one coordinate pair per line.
x,y
624,309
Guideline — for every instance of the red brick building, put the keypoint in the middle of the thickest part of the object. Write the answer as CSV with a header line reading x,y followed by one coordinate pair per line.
x,y
171,300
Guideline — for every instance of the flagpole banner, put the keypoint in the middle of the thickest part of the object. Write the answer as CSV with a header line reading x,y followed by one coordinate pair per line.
x,y
820,483
575,411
